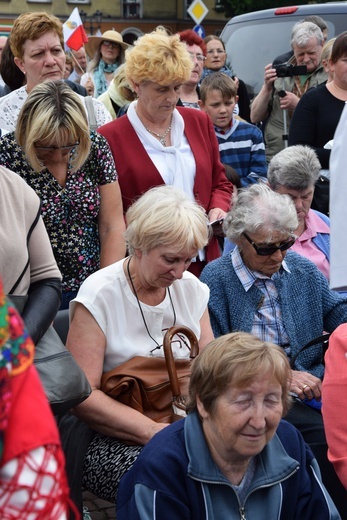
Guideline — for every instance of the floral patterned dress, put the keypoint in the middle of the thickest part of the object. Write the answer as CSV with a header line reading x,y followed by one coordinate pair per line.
x,y
71,213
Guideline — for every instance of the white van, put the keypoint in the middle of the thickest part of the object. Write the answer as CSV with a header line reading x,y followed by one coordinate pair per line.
x,y
255,39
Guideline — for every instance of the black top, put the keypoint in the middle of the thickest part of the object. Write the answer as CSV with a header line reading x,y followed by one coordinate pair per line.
x,y
315,120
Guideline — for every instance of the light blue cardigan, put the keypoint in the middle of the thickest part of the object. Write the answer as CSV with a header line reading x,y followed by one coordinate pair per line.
x,y
308,306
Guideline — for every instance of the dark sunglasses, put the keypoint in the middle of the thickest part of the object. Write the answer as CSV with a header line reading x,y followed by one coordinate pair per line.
x,y
270,250
110,44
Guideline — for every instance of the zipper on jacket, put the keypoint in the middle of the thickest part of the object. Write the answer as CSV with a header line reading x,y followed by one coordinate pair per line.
x,y
242,513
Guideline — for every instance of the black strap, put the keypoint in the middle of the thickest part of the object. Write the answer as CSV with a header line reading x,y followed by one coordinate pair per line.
x,y
115,106
324,339
32,227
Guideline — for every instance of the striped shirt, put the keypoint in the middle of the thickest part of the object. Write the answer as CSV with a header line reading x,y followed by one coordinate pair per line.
x,y
268,324
242,147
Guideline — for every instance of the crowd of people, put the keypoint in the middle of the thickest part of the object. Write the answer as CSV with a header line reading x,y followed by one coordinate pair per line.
x,y
142,189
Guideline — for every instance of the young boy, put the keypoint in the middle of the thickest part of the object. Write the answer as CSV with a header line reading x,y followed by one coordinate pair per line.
x,y
241,144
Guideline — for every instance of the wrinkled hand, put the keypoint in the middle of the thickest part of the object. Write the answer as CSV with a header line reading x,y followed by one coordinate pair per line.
x,y
289,101
305,385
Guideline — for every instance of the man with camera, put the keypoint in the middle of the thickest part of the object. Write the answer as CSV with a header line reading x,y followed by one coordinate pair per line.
x,y
286,83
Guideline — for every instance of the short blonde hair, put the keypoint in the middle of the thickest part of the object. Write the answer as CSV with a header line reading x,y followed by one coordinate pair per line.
x,y
327,48
53,113
31,26
158,57
122,86
166,216
236,359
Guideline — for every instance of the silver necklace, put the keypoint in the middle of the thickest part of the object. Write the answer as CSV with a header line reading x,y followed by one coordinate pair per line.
x,y
161,137
141,311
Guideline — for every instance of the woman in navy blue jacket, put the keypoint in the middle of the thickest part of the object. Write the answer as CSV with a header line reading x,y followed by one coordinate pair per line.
x,y
232,457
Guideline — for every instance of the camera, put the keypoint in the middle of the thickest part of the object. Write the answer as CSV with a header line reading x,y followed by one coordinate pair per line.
x,y
287,70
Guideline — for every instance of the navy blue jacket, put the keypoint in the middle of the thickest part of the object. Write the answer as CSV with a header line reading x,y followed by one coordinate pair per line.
x,y
176,478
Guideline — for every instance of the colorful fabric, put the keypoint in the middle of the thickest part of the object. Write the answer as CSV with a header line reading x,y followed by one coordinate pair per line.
x,y
71,213
16,355
99,78
32,478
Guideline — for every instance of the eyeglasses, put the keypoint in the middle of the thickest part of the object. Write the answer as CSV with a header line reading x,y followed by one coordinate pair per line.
x,y
213,51
271,249
199,57
110,44
48,149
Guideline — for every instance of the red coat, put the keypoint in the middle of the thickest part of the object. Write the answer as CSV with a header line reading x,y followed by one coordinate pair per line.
x,y
137,173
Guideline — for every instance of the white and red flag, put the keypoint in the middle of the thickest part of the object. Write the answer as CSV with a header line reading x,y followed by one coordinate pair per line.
x,y
74,34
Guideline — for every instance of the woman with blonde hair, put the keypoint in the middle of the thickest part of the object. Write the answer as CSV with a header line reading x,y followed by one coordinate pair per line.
x,y
123,311
172,145
118,93
74,174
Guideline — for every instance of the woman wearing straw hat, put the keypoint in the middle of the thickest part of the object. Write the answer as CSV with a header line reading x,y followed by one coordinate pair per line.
x,y
106,53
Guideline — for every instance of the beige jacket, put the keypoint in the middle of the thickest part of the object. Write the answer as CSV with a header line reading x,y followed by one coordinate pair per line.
x,y
23,236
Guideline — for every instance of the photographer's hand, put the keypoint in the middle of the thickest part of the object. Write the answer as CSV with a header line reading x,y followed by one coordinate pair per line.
x,y
289,101
260,104
269,77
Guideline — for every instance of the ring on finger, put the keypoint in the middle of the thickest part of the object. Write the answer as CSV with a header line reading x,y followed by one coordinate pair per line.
x,y
305,386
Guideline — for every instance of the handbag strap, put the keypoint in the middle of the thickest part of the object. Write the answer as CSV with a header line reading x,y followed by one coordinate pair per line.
x,y
32,227
170,362
93,125
324,339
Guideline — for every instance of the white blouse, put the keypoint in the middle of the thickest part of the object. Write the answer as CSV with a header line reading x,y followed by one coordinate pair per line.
x,y
108,297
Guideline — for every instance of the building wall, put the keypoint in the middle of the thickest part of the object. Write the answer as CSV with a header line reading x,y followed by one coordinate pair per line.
x,y
170,13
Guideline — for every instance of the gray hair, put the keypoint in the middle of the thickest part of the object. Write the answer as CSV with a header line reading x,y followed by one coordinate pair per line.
x,y
260,208
295,168
303,31
166,216
317,20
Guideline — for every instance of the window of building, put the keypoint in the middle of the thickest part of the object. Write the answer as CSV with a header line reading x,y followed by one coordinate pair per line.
x,y
78,1
132,8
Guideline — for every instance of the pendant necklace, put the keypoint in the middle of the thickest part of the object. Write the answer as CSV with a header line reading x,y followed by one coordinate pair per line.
x,y
141,310
161,137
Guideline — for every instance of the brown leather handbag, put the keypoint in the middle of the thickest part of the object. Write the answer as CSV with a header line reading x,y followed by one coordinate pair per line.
x,y
154,386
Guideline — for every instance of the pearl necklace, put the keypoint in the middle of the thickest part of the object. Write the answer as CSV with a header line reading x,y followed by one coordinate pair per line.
x,y
158,136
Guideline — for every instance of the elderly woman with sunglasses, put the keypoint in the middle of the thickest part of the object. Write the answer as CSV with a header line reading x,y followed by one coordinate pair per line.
x,y
278,296
73,173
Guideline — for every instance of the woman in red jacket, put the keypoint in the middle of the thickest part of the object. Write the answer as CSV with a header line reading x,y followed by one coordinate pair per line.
x,y
158,143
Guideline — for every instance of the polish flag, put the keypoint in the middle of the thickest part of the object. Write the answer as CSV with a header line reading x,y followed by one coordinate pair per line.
x,y
74,34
